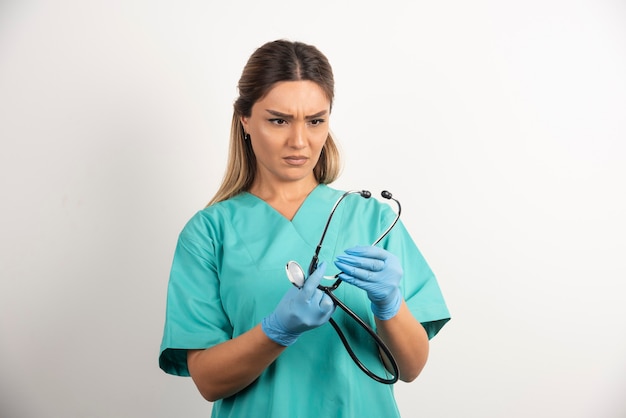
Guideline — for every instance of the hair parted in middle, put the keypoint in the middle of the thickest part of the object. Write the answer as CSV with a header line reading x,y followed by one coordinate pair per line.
x,y
273,62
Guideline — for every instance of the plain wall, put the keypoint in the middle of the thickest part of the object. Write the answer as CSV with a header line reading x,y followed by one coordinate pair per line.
x,y
501,127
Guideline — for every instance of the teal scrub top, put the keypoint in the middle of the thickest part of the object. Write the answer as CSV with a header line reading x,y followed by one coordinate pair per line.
x,y
228,273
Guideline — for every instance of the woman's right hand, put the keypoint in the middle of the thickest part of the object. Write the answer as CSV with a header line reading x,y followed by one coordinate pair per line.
x,y
299,310
226,368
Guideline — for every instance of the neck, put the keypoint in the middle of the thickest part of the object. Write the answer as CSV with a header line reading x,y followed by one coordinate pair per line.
x,y
284,198
286,192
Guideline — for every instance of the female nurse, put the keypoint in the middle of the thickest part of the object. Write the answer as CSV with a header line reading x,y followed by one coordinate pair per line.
x,y
253,343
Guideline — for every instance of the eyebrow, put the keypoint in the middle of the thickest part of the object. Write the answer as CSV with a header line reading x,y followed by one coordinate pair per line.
x,y
290,117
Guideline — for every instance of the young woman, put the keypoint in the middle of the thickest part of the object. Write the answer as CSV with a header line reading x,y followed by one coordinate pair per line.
x,y
252,342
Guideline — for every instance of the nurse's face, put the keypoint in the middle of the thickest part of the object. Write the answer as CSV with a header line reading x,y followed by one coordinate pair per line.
x,y
288,128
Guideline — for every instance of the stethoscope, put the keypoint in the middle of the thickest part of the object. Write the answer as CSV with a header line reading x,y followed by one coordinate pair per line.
x,y
296,276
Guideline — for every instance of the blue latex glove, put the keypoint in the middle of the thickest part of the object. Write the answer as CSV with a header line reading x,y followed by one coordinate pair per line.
x,y
376,271
299,310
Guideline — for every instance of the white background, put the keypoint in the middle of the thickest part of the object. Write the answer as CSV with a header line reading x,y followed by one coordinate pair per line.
x,y
501,127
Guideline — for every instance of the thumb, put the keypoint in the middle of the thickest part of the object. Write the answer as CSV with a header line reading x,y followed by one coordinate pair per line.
x,y
314,279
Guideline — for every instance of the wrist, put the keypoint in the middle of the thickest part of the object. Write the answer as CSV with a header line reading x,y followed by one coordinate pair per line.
x,y
275,332
388,308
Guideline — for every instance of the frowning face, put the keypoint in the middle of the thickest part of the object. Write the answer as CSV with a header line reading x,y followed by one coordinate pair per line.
x,y
288,128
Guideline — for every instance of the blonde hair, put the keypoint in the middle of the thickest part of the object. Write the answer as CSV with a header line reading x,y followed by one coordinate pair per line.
x,y
271,63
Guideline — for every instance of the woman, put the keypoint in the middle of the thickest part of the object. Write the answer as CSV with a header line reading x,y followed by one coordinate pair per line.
x,y
251,341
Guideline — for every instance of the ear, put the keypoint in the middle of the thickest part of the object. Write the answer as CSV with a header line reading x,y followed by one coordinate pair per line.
x,y
244,123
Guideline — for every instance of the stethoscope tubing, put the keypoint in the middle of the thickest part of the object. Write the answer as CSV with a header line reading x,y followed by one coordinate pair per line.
x,y
329,291
379,342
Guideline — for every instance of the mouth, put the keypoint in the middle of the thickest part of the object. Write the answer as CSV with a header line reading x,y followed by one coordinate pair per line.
x,y
296,160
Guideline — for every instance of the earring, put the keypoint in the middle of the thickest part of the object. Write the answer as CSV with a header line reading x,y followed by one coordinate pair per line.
x,y
246,137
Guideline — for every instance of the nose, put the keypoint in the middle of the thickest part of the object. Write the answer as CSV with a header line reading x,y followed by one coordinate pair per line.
x,y
297,138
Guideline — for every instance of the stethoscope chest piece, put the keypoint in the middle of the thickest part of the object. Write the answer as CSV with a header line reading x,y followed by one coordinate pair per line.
x,y
295,274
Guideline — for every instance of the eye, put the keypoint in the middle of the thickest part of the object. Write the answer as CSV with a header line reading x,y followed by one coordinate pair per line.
x,y
278,121
316,122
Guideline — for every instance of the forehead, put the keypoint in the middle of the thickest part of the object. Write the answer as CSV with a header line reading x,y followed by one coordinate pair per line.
x,y
297,95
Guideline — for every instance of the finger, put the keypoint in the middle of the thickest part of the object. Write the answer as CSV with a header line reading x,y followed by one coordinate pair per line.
x,y
327,306
356,282
366,263
311,283
349,279
368,251
356,272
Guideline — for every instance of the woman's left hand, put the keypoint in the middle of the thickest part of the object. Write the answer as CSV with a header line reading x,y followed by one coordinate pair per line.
x,y
376,271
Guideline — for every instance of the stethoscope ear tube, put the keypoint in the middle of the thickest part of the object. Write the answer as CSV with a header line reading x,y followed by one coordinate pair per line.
x,y
387,195
364,193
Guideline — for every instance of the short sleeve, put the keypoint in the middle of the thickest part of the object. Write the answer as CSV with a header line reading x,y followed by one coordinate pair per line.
x,y
419,285
195,318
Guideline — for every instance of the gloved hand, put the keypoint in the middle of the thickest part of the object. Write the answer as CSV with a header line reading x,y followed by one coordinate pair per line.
x,y
376,271
299,310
